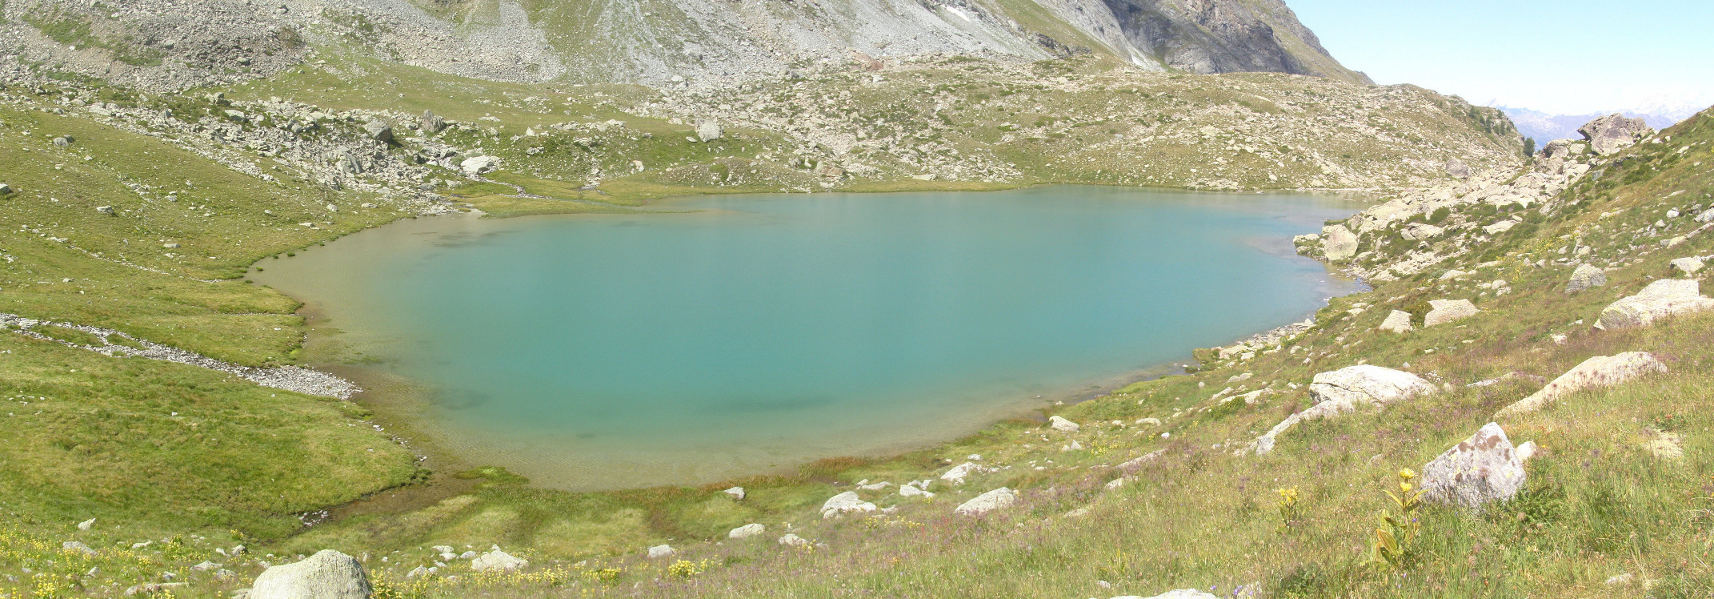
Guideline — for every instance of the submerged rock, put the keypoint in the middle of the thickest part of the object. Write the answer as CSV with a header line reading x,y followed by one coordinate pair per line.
x,y
1660,299
1483,469
328,574
1599,371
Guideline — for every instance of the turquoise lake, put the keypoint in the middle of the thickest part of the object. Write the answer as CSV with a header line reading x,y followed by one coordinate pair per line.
x,y
737,335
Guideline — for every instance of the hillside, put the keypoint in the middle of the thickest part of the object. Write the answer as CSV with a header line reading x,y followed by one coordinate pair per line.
x,y
173,44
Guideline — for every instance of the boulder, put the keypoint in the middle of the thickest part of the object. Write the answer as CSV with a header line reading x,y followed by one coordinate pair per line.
x,y
996,499
1612,133
1366,385
1585,277
431,123
5,189
1063,425
1707,216
736,493
1338,243
844,503
746,531
328,574
478,165
958,473
1500,227
379,130
662,551
1660,299
1687,266
64,141
1445,311
107,210
1345,390
791,540
1397,322
1178,594
1596,372
1481,470
1457,169
1421,231
497,560
709,131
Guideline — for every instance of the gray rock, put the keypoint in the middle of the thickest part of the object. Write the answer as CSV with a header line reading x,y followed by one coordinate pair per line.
x,y
792,540
736,493
1445,311
997,499
662,551
1457,169
496,560
1178,594
845,503
77,546
379,130
1062,425
478,165
328,574
86,524
1660,299
1346,390
746,531
1707,216
1338,243
1687,266
64,141
1612,133
1481,470
709,131
960,472
1585,277
431,123
1397,322
107,210
1596,372
5,189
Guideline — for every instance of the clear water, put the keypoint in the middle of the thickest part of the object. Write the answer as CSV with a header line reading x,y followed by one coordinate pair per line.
x,y
751,333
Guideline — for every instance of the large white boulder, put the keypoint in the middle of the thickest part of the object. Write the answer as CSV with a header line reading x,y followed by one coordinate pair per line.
x,y
709,130
1599,371
960,472
1614,132
1483,469
1445,311
845,503
1345,390
996,499
746,531
1585,277
1397,322
1660,299
662,551
1338,243
1062,425
478,165
498,561
328,574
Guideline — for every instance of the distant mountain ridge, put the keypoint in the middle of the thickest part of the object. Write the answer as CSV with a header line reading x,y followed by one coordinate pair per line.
x,y
179,43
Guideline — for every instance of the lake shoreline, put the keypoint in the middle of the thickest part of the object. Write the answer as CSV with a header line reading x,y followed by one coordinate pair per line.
x,y
394,409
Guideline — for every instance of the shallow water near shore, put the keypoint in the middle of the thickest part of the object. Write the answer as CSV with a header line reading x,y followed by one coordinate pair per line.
x,y
741,335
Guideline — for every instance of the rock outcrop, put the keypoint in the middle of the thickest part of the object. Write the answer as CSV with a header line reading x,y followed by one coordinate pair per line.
x,y
328,574
1483,469
1610,134
1660,299
1687,266
1599,371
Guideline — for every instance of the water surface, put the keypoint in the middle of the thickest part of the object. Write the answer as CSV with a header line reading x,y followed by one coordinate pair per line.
x,y
751,333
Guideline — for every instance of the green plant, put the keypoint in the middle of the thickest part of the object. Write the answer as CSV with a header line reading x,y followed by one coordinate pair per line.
x,y
1395,537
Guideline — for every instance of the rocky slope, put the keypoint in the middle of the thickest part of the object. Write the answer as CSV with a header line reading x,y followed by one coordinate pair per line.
x,y
172,44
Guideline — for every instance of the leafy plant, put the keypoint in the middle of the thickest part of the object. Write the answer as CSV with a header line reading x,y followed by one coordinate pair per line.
x,y
1395,537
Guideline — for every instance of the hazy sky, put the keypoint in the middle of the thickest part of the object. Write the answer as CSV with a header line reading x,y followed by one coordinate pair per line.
x,y
1558,56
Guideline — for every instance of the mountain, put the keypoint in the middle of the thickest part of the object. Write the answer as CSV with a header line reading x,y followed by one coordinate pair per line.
x,y
1544,127
179,43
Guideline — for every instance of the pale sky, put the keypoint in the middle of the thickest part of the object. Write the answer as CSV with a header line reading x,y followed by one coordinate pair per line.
x,y
1556,56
